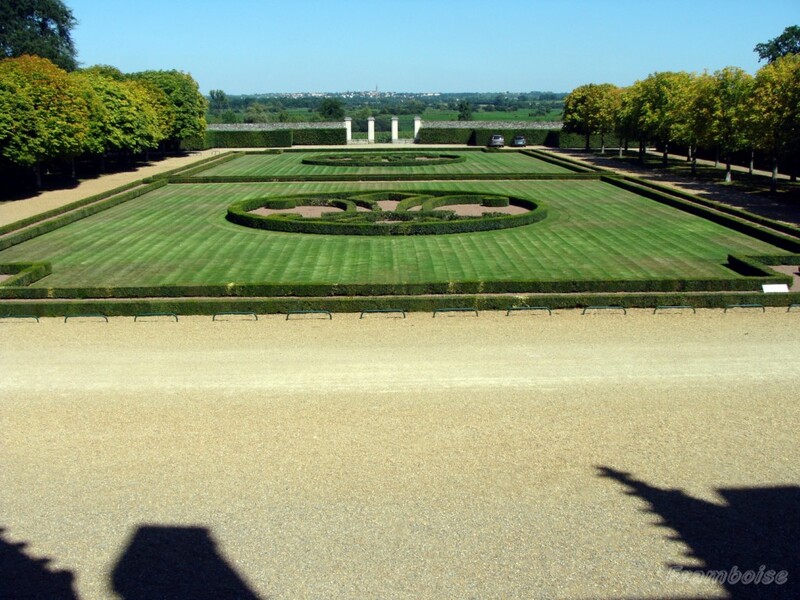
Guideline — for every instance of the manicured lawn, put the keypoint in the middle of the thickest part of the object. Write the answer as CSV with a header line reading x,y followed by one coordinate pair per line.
x,y
178,235
290,164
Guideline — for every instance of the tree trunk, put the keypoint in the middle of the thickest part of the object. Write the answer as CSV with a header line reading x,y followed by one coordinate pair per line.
x,y
37,170
587,142
693,153
727,169
642,150
716,158
72,167
752,160
689,153
665,155
602,144
773,183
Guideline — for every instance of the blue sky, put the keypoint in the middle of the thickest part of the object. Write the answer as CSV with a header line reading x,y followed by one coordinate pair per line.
x,y
264,46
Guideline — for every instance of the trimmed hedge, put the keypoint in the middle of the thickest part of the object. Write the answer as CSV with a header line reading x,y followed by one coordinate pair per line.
x,y
425,222
385,177
249,139
192,306
320,137
565,163
24,273
393,159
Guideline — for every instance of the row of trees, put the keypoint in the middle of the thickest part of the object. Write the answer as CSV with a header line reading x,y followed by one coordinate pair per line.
x,y
48,114
725,111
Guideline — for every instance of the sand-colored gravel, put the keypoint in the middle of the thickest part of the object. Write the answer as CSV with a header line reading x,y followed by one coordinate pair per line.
x,y
447,457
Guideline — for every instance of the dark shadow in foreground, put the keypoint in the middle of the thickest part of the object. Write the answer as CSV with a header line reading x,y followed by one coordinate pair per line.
x,y
23,577
176,563
756,530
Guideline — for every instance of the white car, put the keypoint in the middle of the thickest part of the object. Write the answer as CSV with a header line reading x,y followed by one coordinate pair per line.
x,y
497,141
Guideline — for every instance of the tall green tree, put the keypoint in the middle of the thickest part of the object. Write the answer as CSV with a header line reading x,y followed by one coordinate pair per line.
x,y
661,102
218,100
694,129
331,109
464,111
124,114
49,113
727,112
591,109
182,99
38,27
786,43
775,111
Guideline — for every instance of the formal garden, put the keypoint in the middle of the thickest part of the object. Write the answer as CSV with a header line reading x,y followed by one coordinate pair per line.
x,y
274,231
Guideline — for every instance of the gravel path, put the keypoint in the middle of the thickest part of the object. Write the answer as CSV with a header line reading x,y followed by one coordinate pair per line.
x,y
455,457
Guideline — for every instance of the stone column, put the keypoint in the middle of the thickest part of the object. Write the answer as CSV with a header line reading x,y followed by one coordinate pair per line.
x,y
395,128
417,125
348,125
371,130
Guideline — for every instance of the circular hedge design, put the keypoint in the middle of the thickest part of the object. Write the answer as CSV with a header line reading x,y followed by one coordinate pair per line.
x,y
361,213
383,159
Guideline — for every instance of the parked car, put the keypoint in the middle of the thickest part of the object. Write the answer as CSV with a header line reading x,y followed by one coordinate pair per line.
x,y
519,141
497,141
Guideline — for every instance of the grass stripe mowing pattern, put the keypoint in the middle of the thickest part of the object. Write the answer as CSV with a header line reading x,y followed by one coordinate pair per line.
x,y
290,164
178,235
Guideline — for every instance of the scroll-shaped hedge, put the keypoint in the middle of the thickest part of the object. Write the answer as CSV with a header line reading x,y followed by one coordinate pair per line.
x,y
357,213
383,159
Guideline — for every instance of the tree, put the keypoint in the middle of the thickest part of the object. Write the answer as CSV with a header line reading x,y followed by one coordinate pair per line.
x,y
124,116
218,100
661,103
775,110
49,114
38,27
726,106
331,109
464,111
183,111
694,129
591,109
786,43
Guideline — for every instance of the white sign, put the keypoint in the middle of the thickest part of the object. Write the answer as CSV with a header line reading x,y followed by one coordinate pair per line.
x,y
775,288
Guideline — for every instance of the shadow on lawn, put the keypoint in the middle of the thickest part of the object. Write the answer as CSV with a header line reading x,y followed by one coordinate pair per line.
x,y
22,576
757,529
176,563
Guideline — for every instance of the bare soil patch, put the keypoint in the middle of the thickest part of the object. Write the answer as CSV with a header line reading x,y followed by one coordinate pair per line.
x,y
303,211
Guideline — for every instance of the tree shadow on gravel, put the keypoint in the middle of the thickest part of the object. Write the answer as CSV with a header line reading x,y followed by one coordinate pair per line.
x,y
757,530
176,563
22,576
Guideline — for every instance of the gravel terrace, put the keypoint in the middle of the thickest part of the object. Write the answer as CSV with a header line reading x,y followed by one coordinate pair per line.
x,y
455,457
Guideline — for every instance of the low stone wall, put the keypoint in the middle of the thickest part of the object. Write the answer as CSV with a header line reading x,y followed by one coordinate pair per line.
x,y
275,126
549,125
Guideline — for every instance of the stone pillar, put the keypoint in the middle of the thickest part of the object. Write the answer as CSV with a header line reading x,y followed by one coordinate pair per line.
x,y
348,125
395,128
371,130
417,125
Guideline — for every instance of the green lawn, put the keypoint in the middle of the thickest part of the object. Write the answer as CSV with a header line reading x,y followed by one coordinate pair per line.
x,y
178,235
290,164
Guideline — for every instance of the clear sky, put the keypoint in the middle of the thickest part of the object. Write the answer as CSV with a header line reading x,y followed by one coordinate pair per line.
x,y
265,46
